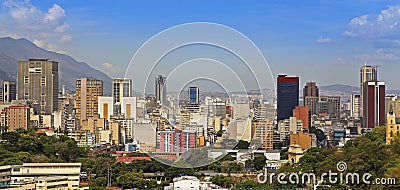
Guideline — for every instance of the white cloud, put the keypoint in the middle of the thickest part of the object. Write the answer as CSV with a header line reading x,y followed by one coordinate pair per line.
x,y
322,40
47,28
111,70
383,25
62,28
55,13
40,43
65,38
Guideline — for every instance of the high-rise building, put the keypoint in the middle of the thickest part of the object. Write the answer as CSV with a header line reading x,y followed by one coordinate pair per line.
x,y
355,106
374,104
161,89
310,89
324,105
194,95
88,91
38,81
9,91
367,73
301,113
287,96
122,87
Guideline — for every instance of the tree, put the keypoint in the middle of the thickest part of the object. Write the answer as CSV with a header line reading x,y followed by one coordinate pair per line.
x,y
222,181
248,184
99,182
242,145
259,162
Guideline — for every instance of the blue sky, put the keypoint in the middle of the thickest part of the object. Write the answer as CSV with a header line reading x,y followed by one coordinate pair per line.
x,y
320,40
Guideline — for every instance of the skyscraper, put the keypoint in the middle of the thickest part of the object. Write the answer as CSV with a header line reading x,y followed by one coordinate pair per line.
x,y
88,91
287,96
374,104
194,95
367,73
9,91
38,81
122,87
310,89
161,89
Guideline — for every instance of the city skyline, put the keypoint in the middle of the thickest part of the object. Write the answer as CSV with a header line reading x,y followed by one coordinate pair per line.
x,y
324,35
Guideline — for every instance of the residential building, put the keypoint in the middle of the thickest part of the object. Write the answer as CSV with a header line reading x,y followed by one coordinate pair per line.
x,y
18,117
38,82
88,91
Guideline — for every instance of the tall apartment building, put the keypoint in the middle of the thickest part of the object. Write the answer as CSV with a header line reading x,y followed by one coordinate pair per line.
x,y
374,104
161,89
9,91
122,87
38,81
287,96
18,116
367,73
88,91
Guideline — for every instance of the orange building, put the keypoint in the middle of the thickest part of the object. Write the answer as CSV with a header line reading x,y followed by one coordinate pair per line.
x,y
302,139
301,113
18,116
263,132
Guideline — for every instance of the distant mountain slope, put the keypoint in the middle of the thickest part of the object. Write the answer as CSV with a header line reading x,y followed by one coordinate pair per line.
x,y
13,50
340,88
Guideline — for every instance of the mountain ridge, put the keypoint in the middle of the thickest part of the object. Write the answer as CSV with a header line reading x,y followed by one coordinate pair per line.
x,y
12,50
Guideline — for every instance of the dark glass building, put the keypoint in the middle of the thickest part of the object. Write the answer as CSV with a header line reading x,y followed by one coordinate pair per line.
x,y
287,96
194,95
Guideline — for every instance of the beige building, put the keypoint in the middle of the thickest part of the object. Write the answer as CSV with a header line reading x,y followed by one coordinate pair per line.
x,y
295,152
38,81
86,100
93,123
18,116
48,173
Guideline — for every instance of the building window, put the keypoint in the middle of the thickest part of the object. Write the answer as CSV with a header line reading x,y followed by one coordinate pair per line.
x,y
43,81
26,80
